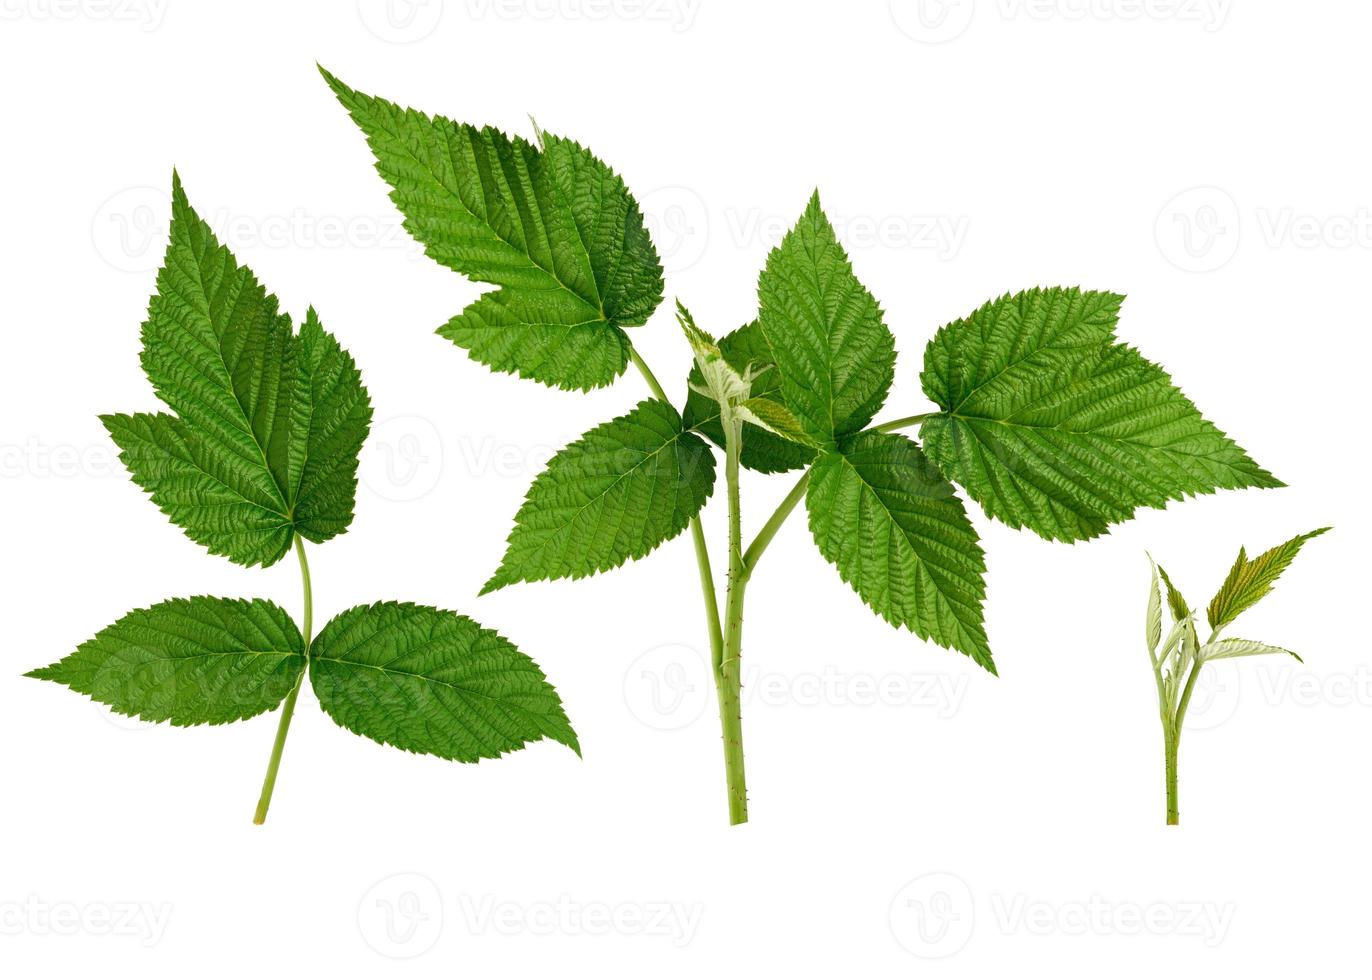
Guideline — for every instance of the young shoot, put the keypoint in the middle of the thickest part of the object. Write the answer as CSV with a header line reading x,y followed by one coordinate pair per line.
x,y
1179,657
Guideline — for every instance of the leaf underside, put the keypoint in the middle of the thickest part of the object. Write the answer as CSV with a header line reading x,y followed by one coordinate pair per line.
x,y
431,681
835,355
1051,424
898,534
197,661
267,425
1250,580
616,493
762,451
550,225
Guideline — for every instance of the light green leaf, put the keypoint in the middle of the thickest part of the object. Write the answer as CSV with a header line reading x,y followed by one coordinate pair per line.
x,y
899,535
775,418
197,661
1153,629
1176,602
1249,581
551,225
616,493
431,681
1231,647
825,331
763,451
268,425
1051,424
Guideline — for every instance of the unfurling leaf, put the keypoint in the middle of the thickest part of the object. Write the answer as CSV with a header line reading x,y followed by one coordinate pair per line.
x,y
1231,647
775,418
763,450
1176,602
1051,424
1153,628
835,355
549,224
616,493
431,681
1249,581
899,535
197,661
268,424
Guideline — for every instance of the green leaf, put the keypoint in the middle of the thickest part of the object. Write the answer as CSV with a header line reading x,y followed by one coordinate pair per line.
x,y
431,681
268,425
1153,627
763,451
1249,581
899,535
1231,647
551,225
835,355
775,418
1176,602
197,661
1051,424
616,493
330,419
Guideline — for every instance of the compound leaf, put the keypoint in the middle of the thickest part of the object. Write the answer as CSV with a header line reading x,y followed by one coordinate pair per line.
x,y
197,661
835,355
616,493
549,224
428,680
268,425
1051,424
763,451
900,536
1249,581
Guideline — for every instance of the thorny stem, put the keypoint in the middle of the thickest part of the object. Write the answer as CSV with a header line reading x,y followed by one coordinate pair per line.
x,y
288,709
728,679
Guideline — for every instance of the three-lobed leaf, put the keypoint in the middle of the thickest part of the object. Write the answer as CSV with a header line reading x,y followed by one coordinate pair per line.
x,y
1051,424
549,224
616,493
196,661
898,533
268,424
431,681
835,355
1249,581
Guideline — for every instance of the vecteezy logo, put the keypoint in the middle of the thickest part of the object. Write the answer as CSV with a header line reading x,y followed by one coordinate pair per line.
x,y
1215,697
667,687
401,916
129,228
400,21
933,915
1198,230
403,458
679,223
932,21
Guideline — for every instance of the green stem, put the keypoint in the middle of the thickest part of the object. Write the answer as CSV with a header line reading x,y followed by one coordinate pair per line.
x,y
707,577
1172,739
728,679
1169,748
288,709
773,525
904,423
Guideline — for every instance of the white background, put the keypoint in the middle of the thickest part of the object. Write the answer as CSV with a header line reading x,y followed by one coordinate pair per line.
x,y
1209,159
